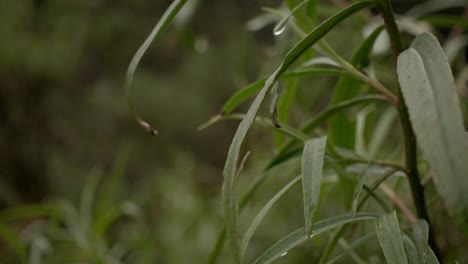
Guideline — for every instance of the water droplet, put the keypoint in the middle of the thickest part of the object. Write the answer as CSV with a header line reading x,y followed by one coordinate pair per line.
x,y
279,29
312,235
281,26
284,254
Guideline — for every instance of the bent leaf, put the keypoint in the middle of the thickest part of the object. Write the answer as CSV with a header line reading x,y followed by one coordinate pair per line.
x,y
434,107
155,34
312,166
230,202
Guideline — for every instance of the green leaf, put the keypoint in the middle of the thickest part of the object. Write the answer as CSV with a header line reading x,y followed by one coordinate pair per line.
x,y
88,198
360,147
321,61
253,226
26,212
110,189
388,232
306,17
357,243
12,239
312,166
155,34
242,95
281,26
381,131
230,203
434,107
411,250
358,189
341,130
417,245
334,239
299,236
284,107
250,90
285,151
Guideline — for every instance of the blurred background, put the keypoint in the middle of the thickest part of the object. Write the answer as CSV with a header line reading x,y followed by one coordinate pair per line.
x,y
69,148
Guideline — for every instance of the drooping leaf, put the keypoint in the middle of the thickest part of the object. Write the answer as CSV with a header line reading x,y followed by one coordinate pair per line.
x,y
434,107
230,203
389,234
155,34
312,166
255,223
299,236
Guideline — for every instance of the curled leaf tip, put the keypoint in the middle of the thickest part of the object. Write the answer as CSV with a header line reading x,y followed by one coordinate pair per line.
x,y
275,119
276,123
148,127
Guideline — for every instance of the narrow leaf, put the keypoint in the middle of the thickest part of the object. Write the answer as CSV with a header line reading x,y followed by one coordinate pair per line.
x,y
312,166
253,226
388,232
321,61
230,202
417,244
286,150
242,95
358,189
434,107
341,128
357,243
299,236
250,90
281,26
155,34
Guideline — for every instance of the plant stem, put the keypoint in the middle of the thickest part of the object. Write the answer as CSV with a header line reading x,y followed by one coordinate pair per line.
x,y
417,189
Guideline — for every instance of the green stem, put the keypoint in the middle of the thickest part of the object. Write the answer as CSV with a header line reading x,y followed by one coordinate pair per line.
x,y
417,189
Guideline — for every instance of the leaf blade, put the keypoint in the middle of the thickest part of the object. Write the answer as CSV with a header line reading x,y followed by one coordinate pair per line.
x,y
155,34
312,166
388,232
229,190
299,236
346,89
255,223
434,107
